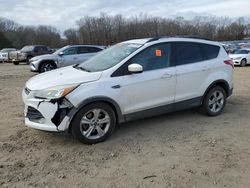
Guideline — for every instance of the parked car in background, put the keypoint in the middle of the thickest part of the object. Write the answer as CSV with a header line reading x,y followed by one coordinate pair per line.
x,y
241,57
131,80
4,54
68,55
28,52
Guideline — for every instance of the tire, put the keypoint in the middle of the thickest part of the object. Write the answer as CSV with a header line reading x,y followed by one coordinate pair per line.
x,y
86,126
243,63
28,60
46,66
214,101
15,62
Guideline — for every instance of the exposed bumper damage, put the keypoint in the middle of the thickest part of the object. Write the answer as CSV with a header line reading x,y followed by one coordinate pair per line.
x,y
49,115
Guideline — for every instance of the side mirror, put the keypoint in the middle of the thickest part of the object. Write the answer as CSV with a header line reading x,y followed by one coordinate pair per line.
x,y
61,53
135,68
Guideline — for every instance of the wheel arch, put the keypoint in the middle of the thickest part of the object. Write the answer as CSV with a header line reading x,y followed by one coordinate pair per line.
x,y
109,101
221,83
47,61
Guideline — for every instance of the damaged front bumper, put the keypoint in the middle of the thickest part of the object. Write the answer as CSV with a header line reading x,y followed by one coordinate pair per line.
x,y
48,115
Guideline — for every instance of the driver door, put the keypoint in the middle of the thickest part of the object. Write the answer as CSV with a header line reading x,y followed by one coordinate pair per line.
x,y
155,86
69,57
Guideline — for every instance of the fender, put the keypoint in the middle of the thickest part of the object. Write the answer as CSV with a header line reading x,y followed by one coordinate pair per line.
x,y
222,83
111,102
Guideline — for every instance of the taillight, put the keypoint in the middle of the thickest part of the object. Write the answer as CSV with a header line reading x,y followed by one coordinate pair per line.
x,y
229,62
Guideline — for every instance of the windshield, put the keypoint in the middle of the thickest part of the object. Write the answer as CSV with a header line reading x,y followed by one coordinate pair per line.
x,y
27,48
6,50
109,57
241,52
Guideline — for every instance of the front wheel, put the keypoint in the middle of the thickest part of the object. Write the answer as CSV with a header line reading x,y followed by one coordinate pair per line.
x,y
45,67
243,63
94,123
214,101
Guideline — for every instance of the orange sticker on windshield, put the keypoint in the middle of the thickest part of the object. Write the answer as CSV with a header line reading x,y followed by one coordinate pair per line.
x,y
158,53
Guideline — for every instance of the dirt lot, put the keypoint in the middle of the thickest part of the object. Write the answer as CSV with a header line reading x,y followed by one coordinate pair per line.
x,y
184,149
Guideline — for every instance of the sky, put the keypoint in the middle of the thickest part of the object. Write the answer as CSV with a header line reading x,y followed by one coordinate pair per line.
x,y
63,14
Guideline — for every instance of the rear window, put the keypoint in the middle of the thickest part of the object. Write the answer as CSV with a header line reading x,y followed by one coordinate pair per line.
x,y
210,51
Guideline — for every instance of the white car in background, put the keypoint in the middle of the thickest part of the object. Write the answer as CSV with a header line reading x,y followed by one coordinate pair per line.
x,y
4,54
241,57
68,55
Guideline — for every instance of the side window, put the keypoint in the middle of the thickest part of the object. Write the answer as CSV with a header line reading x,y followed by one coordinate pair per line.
x,y
37,49
45,49
82,50
210,51
154,57
70,51
93,49
187,52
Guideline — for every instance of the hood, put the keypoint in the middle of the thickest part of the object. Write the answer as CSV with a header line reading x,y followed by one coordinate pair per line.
x,y
233,56
62,76
43,57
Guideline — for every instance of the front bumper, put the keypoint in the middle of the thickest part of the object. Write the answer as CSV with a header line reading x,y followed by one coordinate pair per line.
x,y
237,62
33,66
46,115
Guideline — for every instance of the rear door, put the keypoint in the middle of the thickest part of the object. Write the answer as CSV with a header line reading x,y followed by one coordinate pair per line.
x,y
86,52
190,70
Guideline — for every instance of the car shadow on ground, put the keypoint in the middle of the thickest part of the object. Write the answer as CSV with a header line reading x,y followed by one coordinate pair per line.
x,y
157,127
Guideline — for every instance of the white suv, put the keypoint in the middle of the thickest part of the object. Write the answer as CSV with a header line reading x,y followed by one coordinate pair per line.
x,y
130,80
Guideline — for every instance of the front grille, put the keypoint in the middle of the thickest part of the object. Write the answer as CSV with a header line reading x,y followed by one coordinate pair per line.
x,y
33,114
27,91
13,55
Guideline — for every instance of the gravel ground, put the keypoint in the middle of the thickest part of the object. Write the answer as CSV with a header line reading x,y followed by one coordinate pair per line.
x,y
184,149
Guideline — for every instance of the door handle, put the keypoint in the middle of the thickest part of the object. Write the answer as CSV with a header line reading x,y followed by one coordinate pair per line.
x,y
166,75
75,58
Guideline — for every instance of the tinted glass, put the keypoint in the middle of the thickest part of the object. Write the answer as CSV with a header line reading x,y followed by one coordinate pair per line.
x,y
82,50
93,49
241,52
187,52
154,57
210,51
44,48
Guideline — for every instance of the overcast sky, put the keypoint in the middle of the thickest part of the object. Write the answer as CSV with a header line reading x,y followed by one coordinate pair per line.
x,y
64,13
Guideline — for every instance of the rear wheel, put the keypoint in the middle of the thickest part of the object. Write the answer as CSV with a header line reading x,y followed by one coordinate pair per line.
x,y
15,62
94,123
214,101
46,66
243,63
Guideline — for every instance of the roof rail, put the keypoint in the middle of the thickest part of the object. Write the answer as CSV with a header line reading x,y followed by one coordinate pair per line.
x,y
178,36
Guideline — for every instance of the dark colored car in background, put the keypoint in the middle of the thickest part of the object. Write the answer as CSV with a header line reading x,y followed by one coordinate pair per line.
x,y
28,52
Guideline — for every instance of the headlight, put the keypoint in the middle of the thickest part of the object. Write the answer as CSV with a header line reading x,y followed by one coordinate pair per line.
x,y
55,92
237,58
